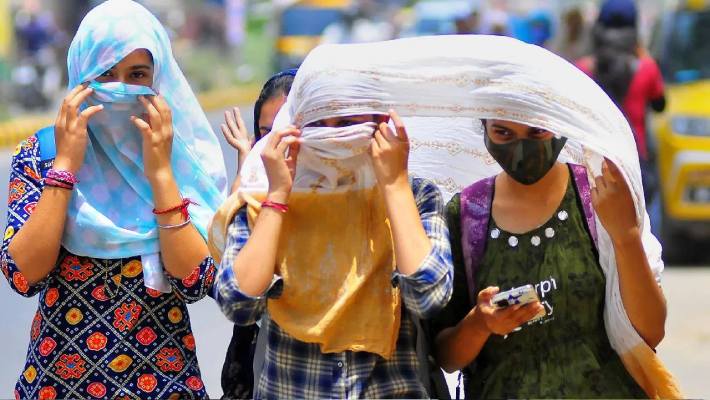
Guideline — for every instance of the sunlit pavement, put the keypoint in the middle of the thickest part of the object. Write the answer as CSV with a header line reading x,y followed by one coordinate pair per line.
x,y
686,348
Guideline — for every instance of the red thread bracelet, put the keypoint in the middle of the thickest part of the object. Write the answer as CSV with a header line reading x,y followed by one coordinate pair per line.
x,y
276,206
182,207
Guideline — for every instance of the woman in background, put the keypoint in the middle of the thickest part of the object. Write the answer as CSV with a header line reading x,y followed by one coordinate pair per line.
x,y
237,372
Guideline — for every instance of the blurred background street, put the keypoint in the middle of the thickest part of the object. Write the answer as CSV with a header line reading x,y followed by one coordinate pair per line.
x,y
228,48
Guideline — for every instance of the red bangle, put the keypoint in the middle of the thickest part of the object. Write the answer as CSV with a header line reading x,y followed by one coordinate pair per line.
x,y
182,207
276,206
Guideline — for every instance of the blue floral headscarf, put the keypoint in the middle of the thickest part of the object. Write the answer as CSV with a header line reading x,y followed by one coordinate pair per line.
x,y
110,215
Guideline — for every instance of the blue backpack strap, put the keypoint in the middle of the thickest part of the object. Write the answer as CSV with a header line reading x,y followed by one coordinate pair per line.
x,y
47,148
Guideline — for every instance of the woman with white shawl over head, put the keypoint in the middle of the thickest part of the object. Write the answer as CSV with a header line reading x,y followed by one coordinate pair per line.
x,y
549,127
333,246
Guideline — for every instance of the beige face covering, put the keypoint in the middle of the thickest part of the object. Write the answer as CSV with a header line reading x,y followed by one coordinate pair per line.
x,y
335,254
336,260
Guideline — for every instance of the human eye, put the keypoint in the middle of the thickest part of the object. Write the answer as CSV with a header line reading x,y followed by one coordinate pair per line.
x,y
502,133
106,76
540,133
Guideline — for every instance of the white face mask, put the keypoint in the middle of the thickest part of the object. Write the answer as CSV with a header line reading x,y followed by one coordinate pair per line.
x,y
337,157
338,143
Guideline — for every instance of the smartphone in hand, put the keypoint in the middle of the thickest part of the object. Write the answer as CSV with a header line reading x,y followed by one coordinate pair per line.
x,y
518,295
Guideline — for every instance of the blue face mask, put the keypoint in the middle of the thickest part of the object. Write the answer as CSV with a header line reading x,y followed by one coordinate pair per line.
x,y
118,92
113,126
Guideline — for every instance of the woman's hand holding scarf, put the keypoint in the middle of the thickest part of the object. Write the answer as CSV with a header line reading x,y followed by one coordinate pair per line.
x,y
390,153
157,134
614,205
281,167
642,297
70,129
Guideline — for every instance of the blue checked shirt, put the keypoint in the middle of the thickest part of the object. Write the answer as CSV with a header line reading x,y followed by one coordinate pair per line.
x,y
295,369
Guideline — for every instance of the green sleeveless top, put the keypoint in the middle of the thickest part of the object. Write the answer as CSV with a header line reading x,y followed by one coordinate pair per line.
x,y
567,352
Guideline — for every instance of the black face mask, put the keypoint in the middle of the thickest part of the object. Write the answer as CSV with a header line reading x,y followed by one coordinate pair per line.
x,y
526,160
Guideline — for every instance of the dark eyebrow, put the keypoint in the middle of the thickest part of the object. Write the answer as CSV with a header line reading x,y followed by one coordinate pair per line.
x,y
141,66
500,127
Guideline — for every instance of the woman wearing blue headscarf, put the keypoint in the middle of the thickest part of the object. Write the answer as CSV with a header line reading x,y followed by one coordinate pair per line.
x,y
108,211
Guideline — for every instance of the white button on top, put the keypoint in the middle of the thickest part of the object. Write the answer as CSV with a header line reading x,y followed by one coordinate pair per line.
x,y
562,215
495,233
535,240
340,364
513,241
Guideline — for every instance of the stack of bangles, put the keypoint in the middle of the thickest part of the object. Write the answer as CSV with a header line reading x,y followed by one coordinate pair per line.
x,y
60,179
182,207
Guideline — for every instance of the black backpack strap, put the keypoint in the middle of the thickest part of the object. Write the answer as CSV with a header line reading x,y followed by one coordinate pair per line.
x,y
431,376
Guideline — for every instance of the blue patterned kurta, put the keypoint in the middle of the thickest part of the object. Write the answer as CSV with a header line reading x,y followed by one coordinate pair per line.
x,y
98,331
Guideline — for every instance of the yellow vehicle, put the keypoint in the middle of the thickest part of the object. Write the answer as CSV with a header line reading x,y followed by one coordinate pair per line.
x,y
301,26
682,47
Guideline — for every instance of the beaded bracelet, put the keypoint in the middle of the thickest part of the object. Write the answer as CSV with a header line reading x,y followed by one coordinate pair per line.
x,y
276,206
55,183
62,176
180,225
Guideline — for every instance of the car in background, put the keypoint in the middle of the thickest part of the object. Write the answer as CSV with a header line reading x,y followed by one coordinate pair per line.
x,y
681,44
301,26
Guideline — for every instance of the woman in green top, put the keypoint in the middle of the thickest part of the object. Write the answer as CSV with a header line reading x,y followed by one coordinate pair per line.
x,y
538,232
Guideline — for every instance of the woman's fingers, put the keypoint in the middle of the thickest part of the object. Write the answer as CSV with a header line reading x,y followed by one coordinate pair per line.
x,y
166,114
68,98
600,183
142,126
89,112
231,124
242,127
72,107
228,136
277,137
285,143
386,131
613,168
292,158
380,140
527,312
399,126
154,118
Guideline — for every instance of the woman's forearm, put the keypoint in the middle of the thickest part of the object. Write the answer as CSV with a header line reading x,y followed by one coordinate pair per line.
x,y
411,244
182,249
35,248
255,264
642,297
458,346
